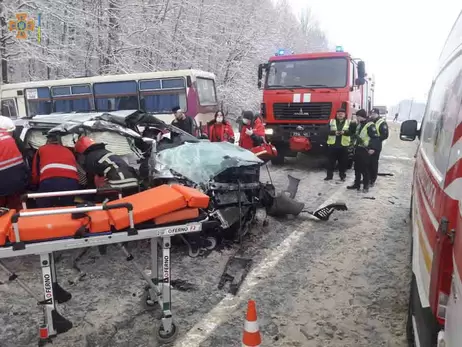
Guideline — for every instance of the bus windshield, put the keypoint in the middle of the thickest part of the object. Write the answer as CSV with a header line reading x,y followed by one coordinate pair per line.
x,y
309,73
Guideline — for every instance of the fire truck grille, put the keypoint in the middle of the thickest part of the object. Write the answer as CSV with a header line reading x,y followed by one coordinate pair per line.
x,y
302,110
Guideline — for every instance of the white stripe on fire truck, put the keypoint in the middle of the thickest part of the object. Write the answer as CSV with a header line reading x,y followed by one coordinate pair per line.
x,y
296,98
307,97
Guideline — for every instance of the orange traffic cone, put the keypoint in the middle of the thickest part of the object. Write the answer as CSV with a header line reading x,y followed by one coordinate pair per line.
x,y
251,336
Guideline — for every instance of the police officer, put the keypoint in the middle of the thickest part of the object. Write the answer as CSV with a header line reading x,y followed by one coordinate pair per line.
x,y
98,162
54,168
382,130
338,141
252,132
367,142
13,170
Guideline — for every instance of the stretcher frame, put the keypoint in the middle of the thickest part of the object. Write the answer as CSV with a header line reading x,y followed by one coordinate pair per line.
x,y
159,288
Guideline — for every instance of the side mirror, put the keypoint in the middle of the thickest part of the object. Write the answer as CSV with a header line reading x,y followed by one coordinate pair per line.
x,y
259,84
409,131
260,71
361,70
360,81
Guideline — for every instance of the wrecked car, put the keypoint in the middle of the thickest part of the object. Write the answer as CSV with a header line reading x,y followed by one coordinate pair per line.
x,y
164,154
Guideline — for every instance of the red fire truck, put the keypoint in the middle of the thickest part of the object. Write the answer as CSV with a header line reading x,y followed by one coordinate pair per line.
x,y
302,92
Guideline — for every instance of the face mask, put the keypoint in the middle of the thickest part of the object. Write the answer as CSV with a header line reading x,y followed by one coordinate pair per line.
x,y
220,119
245,121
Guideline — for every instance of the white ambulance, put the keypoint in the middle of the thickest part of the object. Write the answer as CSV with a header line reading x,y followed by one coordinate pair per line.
x,y
435,309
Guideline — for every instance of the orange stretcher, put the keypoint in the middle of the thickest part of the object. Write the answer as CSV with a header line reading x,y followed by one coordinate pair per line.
x,y
156,214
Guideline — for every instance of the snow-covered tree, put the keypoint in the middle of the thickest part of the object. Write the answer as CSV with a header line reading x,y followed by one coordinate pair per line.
x,y
94,37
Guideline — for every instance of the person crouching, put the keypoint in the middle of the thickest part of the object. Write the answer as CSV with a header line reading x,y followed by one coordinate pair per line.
x,y
54,169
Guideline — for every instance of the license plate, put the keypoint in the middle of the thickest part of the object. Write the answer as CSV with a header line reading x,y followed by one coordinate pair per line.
x,y
296,134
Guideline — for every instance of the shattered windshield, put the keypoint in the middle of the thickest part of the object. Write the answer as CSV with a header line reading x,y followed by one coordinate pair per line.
x,y
201,161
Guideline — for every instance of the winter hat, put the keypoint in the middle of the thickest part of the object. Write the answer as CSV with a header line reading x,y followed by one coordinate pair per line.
x,y
247,115
341,110
361,113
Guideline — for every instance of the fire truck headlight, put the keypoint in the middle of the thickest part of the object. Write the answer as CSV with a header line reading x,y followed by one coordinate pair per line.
x,y
269,131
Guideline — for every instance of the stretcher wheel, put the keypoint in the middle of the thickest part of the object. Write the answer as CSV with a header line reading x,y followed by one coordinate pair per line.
x,y
212,243
164,337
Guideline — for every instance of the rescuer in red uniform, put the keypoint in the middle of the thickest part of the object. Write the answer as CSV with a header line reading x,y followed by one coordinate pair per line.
x,y
13,169
54,169
220,130
252,132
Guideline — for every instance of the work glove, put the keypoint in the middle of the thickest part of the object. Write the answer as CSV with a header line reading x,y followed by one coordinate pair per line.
x,y
249,132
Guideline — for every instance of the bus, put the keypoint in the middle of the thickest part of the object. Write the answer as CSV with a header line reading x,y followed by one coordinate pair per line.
x,y
155,92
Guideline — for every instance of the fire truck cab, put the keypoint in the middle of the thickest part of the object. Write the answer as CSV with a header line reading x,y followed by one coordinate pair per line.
x,y
435,306
302,93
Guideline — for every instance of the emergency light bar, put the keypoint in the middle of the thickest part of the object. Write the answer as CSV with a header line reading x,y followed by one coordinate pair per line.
x,y
339,49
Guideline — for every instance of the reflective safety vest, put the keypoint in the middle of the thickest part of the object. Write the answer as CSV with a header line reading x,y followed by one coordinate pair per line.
x,y
363,135
379,122
9,153
53,160
346,140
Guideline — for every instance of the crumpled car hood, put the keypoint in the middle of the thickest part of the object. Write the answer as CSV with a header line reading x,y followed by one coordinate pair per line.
x,y
201,161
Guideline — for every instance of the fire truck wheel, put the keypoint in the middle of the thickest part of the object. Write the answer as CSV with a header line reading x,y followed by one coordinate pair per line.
x,y
278,160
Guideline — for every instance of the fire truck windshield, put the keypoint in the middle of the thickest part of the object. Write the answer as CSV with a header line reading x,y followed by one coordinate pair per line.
x,y
309,73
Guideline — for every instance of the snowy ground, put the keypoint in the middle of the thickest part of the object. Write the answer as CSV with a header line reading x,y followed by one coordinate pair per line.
x,y
338,283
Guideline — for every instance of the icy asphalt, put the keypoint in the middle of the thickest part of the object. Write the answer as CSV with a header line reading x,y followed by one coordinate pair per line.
x,y
339,283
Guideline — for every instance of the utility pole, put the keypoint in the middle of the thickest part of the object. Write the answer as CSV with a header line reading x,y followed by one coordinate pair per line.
x,y
410,108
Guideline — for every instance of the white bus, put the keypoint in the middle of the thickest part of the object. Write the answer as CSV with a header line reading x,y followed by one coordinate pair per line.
x,y
157,92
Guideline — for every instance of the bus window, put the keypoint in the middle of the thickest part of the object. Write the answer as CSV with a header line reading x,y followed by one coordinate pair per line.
x,y
72,98
9,108
38,101
113,96
206,91
161,95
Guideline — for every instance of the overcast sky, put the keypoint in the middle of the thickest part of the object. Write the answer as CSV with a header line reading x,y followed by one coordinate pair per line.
x,y
399,40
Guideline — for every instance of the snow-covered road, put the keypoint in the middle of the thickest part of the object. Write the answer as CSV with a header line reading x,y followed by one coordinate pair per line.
x,y
338,283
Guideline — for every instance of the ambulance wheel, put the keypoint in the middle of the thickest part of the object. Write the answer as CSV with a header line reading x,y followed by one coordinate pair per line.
x,y
164,337
211,243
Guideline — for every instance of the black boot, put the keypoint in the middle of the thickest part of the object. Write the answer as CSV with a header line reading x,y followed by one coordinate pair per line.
x,y
354,186
328,178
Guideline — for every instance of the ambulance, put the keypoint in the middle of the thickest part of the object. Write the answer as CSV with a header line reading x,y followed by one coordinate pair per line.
x,y
435,306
